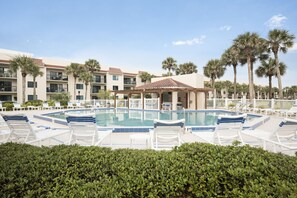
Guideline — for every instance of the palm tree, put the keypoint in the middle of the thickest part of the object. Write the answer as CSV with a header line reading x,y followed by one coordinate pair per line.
x,y
268,69
231,57
170,64
92,65
25,64
75,69
35,72
279,40
145,76
213,70
186,68
86,77
251,47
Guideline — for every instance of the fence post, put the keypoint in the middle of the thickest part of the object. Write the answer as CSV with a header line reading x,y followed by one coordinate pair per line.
x,y
214,103
296,101
272,103
226,103
255,104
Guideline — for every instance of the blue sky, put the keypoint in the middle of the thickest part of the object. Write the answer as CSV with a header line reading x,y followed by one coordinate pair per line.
x,y
139,35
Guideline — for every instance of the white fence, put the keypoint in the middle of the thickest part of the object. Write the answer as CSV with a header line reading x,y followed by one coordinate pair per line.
x,y
219,103
151,103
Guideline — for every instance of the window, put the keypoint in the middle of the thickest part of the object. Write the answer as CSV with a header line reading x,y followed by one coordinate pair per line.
x,y
97,79
79,97
31,97
115,77
115,87
31,84
79,86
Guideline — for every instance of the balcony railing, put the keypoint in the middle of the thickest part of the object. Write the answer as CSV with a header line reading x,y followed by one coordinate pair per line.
x,y
56,90
63,78
8,75
127,82
8,89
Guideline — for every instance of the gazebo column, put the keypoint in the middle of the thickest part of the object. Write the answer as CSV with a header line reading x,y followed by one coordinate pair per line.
x,y
160,100
174,100
142,99
128,101
205,100
196,102
115,100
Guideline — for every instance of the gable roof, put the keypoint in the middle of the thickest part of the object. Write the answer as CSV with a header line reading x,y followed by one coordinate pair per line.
x,y
165,83
114,70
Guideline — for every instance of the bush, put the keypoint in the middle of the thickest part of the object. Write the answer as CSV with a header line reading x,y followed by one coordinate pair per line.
x,y
192,170
8,105
33,103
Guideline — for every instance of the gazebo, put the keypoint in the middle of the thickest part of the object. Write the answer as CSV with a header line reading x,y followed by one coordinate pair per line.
x,y
180,92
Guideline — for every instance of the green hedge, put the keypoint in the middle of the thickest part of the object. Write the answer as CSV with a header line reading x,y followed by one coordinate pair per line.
x,y
192,170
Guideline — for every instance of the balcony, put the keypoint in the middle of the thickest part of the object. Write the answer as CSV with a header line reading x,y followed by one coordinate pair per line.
x,y
57,78
8,89
8,75
56,90
129,82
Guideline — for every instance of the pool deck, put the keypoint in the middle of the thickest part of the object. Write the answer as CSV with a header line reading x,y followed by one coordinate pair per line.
x,y
122,140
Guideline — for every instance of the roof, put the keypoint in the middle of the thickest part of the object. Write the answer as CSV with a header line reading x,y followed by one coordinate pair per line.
x,y
114,70
165,83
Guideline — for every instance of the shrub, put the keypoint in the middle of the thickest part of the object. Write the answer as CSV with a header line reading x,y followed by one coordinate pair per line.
x,y
8,105
192,170
33,103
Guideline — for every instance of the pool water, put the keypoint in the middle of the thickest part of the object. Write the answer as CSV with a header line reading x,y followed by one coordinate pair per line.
x,y
139,118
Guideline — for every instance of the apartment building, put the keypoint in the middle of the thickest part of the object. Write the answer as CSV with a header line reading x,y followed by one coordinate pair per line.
x,y
55,80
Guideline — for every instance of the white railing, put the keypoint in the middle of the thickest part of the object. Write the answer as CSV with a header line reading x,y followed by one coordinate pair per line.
x,y
219,103
152,103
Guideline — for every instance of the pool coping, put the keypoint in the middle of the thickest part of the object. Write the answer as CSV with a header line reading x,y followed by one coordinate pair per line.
x,y
117,129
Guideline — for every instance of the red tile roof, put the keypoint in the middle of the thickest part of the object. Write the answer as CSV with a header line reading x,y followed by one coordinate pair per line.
x,y
165,83
114,70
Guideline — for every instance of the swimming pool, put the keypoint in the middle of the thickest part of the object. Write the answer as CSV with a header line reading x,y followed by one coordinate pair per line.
x,y
115,118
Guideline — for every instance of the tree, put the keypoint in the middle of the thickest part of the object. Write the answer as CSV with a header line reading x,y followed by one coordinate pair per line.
x,y
186,68
170,64
25,64
251,47
86,77
145,76
35,72
231,57
279,40
92,65
268,69
213,70
102,94
75,69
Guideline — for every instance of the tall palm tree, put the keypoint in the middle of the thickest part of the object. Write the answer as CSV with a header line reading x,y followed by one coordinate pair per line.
x,y
213,70
268,69
170,64
186,68
145,76
86,77
75,69
92,65
251,47
25,64
279,40
232,57
35,72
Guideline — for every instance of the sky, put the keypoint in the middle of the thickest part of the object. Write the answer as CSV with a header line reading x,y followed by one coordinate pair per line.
x,y
137,35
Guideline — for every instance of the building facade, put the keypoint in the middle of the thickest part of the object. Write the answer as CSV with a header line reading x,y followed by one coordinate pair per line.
x,y
55,80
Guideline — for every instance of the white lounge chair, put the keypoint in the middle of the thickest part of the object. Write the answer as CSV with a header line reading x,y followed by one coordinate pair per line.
x,y
23,132
17,106
227,130
46,106
2,108
78,105
58,105
166,134
84,130
70,105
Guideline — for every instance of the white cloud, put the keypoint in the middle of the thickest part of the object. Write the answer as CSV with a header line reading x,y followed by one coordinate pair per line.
x,y
276,21
294,48
225,28
194,41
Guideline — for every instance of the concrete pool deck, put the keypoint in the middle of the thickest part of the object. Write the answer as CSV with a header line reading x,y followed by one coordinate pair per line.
x,y
122,140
